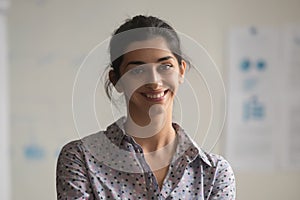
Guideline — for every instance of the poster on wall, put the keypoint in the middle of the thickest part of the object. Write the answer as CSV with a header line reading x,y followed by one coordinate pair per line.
x,y
253,66
263,129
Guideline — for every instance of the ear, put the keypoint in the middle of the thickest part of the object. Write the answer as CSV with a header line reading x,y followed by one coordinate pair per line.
x,y
182,69
114,80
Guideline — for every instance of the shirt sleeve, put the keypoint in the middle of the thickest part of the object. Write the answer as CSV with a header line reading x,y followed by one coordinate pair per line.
x,y
71,174
224,186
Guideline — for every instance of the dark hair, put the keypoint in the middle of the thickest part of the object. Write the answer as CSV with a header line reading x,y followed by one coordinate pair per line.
x,y
152,27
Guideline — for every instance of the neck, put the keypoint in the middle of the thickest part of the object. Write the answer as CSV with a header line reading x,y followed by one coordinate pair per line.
x,y
157,134
161,139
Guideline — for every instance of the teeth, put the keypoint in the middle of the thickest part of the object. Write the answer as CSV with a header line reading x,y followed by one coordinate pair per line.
x,y
155,96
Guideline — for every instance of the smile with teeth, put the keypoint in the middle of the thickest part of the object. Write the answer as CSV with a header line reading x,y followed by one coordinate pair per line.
x,y
156,95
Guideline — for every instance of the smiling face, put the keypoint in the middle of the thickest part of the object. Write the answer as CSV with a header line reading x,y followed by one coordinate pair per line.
x,y
150,75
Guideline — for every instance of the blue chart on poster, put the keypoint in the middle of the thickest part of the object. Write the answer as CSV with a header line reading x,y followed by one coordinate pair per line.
x,y
253,109
34,152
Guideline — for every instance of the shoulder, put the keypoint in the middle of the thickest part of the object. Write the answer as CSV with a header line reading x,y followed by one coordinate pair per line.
x,y
222,176
216,160
72,145
70,152
77,148
218,163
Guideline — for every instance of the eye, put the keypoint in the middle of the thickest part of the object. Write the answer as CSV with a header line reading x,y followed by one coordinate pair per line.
x,y
137,70
165,67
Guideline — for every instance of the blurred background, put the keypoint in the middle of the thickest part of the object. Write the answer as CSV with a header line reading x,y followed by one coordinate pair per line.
x,y
43,43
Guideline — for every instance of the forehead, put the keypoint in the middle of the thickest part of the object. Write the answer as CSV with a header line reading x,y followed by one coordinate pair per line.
x,y
153,43
148,50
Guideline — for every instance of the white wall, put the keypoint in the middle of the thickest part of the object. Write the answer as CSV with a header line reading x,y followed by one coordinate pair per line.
x,y
49,39
4,106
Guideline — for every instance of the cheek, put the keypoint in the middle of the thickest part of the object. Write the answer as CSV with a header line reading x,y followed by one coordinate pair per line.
x,y
130,86
172,82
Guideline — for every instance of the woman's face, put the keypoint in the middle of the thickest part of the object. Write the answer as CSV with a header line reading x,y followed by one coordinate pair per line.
x,y
150,74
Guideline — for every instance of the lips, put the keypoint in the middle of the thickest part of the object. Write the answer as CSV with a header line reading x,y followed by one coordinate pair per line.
x,y
155,96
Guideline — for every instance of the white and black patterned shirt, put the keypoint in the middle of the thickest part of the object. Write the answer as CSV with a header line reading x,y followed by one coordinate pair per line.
x,y
109,165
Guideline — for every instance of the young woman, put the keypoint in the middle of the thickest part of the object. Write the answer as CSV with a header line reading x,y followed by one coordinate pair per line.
x,y
143,155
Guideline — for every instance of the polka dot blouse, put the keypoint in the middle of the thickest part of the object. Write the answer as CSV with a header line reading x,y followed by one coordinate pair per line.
x,y
111,165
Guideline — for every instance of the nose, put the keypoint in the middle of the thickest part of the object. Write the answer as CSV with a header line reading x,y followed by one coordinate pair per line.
x,y
153,79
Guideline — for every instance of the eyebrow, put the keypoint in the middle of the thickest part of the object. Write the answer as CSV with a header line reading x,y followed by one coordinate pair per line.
x,y
141,62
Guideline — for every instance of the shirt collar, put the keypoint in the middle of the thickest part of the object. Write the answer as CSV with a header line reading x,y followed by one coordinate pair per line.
x,y
186,146
116,132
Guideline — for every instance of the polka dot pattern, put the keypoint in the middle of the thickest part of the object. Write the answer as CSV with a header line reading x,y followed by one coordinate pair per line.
x,y
83,173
